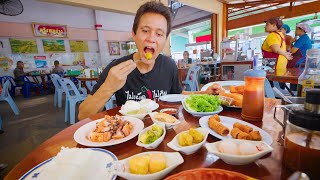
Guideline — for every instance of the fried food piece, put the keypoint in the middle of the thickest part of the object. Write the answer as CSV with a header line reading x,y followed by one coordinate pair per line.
x,y
215,117
238,134
218,127
215,89
242,127
197,137
255,136
100,137
237,89
164,117
237,98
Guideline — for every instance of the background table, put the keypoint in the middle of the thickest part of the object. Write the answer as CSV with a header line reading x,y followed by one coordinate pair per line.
x,y
269,167
84,79
291,76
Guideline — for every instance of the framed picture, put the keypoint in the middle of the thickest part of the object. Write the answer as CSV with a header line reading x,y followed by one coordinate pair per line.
x,y
124,46
114,48
234,70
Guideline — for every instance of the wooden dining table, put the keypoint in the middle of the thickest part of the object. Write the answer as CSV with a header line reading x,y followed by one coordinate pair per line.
x,y
84,79
268,167
290,76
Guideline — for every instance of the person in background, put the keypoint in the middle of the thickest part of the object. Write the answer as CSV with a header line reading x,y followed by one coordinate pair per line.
x,y
18,72
134,77
186,57
274,45
57,68
300,47
285,29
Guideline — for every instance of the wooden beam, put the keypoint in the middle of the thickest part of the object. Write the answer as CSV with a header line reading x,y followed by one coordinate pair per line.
x,y
214,33
191,22
250,11
224,21
257,3
300,10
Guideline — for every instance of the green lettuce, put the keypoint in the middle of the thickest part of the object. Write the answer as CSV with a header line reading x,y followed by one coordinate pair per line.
x,y
203,102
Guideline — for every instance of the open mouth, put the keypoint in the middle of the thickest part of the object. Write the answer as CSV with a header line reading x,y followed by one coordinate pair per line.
x,y
149,51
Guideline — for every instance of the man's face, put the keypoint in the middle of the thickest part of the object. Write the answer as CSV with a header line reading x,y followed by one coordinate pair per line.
x,y
151,36
20,65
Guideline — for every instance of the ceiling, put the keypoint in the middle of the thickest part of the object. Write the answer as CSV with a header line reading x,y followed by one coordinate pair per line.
x,y
242,8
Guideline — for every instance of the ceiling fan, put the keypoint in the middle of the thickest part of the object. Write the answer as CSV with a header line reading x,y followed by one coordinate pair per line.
x,y
11,7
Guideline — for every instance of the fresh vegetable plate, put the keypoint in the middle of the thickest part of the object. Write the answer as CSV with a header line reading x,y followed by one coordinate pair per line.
x,y
189,109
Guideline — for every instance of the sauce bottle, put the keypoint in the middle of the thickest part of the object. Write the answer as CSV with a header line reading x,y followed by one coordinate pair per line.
x,y
310,77
253,96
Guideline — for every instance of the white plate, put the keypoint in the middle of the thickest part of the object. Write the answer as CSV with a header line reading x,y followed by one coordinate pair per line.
x,y
81,135
200,114
228,122
239,159
172,97
224,84
109,157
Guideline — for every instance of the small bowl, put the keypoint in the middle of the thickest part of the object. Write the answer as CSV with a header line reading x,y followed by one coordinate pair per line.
x,y
170,111
139,116
121,168
168,125
232,159
156,143
174,144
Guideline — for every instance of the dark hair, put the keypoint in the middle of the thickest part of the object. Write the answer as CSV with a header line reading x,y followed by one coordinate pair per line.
x,y
19,62
153,7
56,62
186,52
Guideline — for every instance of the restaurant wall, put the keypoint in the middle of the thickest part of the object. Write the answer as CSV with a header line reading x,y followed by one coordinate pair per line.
x,y
80,22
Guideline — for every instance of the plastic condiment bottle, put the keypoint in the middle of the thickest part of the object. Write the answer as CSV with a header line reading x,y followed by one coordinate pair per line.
x,y
253,96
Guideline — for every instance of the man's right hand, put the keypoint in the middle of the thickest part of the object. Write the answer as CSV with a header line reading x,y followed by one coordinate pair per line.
x,y
117,76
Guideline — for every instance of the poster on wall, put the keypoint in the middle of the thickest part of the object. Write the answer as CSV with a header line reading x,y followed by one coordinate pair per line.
x,y
23,45
114,48
53,45
79,46
49,30
5,63
40,63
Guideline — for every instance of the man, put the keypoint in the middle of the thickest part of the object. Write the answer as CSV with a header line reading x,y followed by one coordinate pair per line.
x,y
18,73
134,77
285,29
57,68
186,57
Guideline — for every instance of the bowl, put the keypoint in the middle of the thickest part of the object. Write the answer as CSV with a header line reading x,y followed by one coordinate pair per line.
x,y
199,114
139,116
156,143
263,149
208,173
121,168
167,125
170,111
174,144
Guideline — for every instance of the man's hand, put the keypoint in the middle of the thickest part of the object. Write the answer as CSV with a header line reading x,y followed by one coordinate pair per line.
x,y
117,76
214,89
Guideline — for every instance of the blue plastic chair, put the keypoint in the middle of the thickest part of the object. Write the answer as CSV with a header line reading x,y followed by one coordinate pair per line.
x,y
192,79
109,104
5,96
12,86
73,96
90,84
28,85
58,90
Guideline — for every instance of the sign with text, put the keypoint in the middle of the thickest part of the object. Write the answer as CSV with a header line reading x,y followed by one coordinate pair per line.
x,y
48,30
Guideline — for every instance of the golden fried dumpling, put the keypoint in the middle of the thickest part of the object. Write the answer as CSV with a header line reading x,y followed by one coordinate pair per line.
x,y
164,117
185,139
157,163
196,135
139,164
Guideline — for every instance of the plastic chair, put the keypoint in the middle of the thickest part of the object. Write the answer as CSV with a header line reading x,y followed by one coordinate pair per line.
x,y
73,96
109,104
5,96
192,79
28,85
12,86
90,84
58,91
268,91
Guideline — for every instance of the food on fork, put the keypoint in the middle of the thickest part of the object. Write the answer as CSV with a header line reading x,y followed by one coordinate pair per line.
x,y
215,117
218,127
149,56
238,134
255,136
164,117
242,127
112,127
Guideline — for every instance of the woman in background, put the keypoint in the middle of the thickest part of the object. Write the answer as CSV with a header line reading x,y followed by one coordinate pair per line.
x,y
300,47
285,29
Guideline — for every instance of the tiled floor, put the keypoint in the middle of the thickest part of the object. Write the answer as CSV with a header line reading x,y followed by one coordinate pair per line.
x,y
38,121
